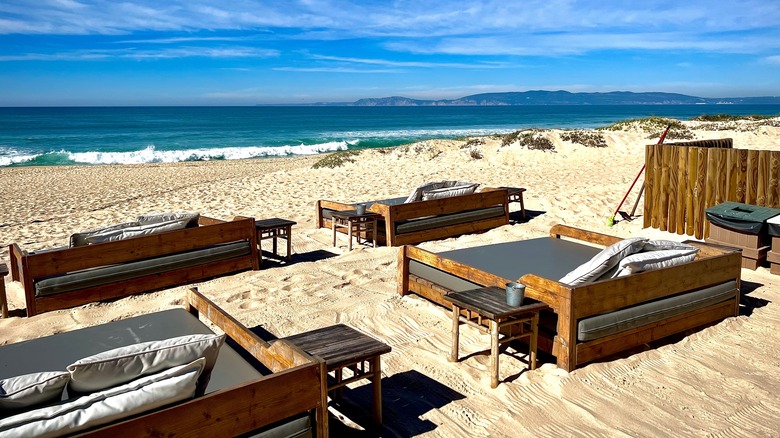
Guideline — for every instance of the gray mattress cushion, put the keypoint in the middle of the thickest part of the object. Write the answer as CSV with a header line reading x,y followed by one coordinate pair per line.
x,y
127,271
56,352
599,326
433,222
545,256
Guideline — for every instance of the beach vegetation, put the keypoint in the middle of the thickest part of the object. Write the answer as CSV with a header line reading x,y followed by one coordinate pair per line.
x,y
530,139
728,118
472,142
336,159
475,154
655,126
585,137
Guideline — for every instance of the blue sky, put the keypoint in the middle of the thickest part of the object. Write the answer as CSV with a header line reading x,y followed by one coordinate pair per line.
x,y
245,52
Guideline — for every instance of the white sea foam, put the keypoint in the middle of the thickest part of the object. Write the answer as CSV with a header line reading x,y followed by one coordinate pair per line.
x,y
421,133
152,155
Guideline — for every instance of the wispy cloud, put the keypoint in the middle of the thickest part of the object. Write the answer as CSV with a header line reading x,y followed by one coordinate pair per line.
x,y
392,63
334,70
772,59
189,52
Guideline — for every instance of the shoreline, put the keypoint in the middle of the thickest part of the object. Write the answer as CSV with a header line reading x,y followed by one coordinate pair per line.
x,y
706,383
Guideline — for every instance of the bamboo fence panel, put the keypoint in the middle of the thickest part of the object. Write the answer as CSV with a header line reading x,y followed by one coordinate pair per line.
x,y
683,181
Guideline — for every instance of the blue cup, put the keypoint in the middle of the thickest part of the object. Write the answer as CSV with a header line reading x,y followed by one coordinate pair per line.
x,y
514,293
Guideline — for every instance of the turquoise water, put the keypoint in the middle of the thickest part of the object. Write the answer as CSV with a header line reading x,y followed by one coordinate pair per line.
x,y
132,135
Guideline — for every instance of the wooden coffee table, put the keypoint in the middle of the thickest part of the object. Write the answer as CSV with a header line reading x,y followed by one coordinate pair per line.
x,y
489,303
274,228
355,224
515,194
343,347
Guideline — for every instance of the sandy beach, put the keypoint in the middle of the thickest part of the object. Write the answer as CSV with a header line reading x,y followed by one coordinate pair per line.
x,y
721,381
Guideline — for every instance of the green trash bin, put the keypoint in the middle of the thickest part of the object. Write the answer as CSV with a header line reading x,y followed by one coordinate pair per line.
x,y
743,226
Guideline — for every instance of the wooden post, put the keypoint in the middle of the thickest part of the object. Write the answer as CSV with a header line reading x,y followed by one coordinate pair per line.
x,y
376,384
3,297
402,279
493,353
455,333
671,187
649,177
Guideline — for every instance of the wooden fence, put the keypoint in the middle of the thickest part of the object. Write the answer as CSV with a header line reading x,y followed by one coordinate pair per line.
x,y
682,181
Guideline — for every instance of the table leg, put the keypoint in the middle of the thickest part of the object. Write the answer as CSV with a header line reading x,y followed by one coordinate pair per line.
x,y
351,230
3,299
373,230
455,333
534,340
493,353
333,223
339,391
376,383
288,230
276,236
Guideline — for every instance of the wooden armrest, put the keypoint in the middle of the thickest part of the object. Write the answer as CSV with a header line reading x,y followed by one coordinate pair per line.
x,y
548,291
561,230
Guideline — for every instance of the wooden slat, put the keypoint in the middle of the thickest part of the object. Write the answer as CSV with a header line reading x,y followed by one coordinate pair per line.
x,y
751,188
649,177
663,201
682,189
773,194
710,186
671,188
762,188
559,231
721,159
699,195
656,207
742,157
690,190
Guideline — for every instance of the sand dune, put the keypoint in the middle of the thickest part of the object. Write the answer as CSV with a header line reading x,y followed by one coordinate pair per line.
x,y
721,381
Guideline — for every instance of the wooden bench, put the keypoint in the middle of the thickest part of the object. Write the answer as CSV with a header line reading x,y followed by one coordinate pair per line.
x,y
31,268
411,223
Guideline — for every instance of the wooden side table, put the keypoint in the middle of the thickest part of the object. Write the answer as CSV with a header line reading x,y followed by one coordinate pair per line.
x,y
489,303
515,194
274,228
3,298
343,347
355,224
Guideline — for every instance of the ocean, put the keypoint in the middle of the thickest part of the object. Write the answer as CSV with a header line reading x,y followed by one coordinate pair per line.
x,y
136,135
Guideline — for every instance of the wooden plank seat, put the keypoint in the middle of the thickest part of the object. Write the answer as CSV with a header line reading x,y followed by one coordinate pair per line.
x,y
594,320
255,386
67,277
405,223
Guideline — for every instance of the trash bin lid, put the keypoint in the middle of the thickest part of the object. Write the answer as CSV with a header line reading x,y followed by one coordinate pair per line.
x,y
744,218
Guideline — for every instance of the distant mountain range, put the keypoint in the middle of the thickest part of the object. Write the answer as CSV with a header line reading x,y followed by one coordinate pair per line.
x,y
540,97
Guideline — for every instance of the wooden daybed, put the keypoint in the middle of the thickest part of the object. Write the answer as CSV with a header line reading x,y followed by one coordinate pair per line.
x,y
68,277
650,305
255,386
415,222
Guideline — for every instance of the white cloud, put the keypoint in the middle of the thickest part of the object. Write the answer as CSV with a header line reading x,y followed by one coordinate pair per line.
x,y
187,52
772,59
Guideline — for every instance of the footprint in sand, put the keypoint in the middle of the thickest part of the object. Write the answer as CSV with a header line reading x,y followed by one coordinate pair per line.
x,y
239,296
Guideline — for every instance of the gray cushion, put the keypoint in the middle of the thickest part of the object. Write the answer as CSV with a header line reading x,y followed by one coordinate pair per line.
x,y
143,229
599,326
417,193
127,271
192,218
602,262
449,192
463,217
123,364
80,239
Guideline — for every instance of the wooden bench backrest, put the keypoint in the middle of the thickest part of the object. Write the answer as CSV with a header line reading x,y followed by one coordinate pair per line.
x,y
436,207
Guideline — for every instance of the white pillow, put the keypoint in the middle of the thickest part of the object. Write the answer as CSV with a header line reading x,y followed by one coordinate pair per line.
x,y
169,216
141,395
660,245
449,192
80,239
121,365
140,230
32,389
647,261
603,261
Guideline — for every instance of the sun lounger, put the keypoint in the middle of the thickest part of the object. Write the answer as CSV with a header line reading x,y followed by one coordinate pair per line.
x,y
595,320
255,386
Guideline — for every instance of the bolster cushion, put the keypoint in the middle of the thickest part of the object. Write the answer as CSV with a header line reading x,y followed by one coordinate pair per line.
x,y
602,262
127,271
606,324
432,222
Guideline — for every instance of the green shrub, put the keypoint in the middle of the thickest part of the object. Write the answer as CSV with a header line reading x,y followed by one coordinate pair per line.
x,y
585,138
336,159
